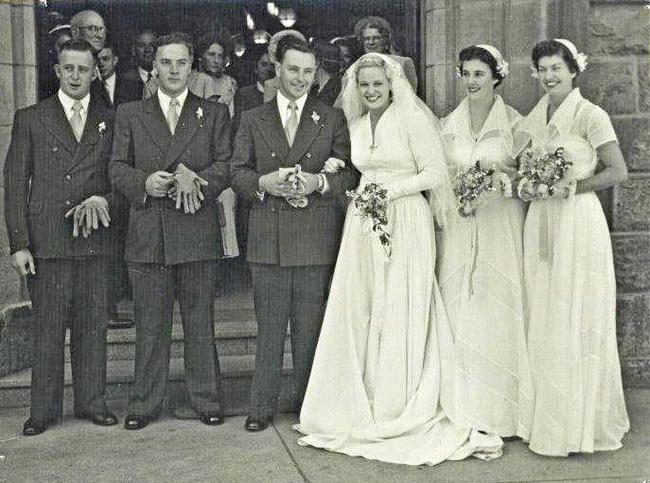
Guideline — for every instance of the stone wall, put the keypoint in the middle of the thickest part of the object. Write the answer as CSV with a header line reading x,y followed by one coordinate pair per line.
x,y
17,90
615,36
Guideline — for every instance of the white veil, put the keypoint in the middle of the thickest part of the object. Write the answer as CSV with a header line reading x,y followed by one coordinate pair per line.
x,y
418,124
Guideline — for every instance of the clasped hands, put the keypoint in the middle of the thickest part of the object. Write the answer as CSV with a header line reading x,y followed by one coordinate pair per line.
x,y
289,183
87,215
184,186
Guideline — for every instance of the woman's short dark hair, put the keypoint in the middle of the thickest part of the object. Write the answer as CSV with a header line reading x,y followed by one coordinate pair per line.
x,y
207,41
289,42
478,53
547,48
176,38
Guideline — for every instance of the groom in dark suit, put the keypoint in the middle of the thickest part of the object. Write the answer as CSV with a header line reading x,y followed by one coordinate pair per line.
x,y
57,199
291,249
169,159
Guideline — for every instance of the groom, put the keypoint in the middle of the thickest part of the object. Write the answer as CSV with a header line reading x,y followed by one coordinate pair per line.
x,y
173,145
291,249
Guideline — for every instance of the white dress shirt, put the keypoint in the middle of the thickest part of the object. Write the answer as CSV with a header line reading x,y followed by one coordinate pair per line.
x,y
144,74
67,102
165,100
109,85
283,106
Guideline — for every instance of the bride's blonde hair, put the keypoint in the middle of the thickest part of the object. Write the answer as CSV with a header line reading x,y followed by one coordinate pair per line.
x,y
370,60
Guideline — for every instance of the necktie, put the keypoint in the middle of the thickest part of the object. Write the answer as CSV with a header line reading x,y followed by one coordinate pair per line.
x,y
292,123
76,121
172,115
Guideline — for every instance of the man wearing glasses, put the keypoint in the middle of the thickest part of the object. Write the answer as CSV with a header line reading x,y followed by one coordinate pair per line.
x,y
89,26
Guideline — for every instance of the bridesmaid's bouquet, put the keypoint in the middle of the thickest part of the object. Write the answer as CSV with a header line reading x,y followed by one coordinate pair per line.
x,y
372,203
544,173
474,185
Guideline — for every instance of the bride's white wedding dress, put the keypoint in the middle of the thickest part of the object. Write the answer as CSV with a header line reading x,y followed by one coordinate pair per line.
x,y
375,385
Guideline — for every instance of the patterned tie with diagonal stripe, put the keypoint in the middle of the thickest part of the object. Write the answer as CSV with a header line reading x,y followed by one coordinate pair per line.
x,y
76,121
172,115
292,123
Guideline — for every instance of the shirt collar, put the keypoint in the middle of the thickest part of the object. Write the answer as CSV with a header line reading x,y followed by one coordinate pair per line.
x,y
67,102
283,103
144,74
110,80
164,100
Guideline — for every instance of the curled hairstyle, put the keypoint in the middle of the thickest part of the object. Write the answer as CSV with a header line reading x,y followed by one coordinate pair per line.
x,y
175,38
547,48
206,41
478,53
378,23
289,42
77,45
370,60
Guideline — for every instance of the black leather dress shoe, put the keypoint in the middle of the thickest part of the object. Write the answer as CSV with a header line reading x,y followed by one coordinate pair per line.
x,y
102,418
134,422
117,323
31,429
212,419
255,425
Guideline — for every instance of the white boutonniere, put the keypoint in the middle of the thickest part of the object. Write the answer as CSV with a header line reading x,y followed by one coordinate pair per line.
x,y
199,113
101,127
315,117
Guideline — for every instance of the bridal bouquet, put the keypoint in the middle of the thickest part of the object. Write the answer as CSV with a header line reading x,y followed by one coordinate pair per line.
x,y
545,173
473,185
372,203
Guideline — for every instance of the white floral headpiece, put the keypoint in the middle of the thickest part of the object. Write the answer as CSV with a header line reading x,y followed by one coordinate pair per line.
x,y
503,68
579,57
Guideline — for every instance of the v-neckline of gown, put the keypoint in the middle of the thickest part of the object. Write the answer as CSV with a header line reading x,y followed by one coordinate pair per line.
x,y
373,146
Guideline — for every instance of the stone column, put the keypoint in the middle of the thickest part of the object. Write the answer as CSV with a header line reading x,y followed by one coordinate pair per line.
x,y
17,89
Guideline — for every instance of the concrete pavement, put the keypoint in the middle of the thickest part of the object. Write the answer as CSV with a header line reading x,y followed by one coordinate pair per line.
x,y
172,450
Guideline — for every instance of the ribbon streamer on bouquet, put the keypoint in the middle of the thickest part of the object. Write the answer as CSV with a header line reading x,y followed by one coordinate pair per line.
x,y
545,250
468,275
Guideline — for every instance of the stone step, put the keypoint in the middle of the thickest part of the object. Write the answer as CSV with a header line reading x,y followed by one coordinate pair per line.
x,y
234,336
236,371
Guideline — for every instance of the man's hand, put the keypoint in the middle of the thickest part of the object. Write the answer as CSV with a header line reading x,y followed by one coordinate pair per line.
x,y
272,184
309,184
157,184
188,189
23,262
88,214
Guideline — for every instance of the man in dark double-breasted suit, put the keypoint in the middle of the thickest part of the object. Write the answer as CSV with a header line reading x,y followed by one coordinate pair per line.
x,y
291,249
173,145
57,205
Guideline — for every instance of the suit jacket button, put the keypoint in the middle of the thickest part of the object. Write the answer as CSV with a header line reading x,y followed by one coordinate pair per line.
x,y
68,177
273,210
55,149
273,154
67,202
308,155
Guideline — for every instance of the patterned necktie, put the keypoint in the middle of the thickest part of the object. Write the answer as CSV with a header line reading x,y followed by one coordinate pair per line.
x,y
172,115
292,123
76,121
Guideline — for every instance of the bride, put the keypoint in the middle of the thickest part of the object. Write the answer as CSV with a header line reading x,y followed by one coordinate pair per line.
x,y
385,345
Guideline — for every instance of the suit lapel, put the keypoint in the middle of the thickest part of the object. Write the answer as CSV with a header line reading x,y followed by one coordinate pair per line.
x,y
56,122
154,122
273,131
311,122
188,123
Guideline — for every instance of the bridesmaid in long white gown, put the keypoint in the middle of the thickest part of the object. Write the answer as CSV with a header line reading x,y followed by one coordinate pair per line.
x,y
480,261
569,269
375,382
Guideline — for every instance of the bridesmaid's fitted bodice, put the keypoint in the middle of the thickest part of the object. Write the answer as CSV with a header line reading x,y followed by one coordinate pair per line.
x,y
492,146
577,125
